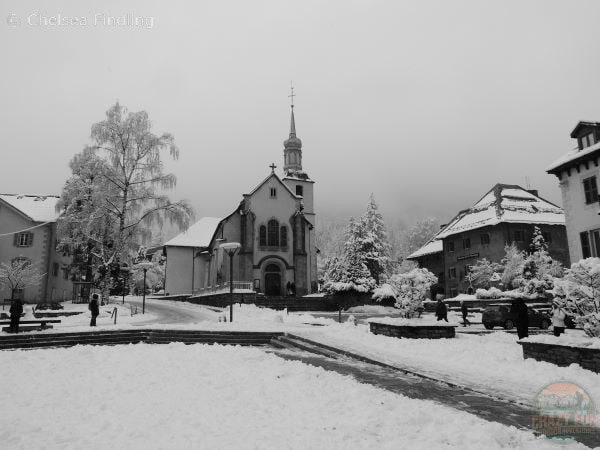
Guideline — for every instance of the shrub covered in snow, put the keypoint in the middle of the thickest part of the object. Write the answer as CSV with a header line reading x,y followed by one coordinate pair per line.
x,y
483,272
411,289
581,291
383,292
489,293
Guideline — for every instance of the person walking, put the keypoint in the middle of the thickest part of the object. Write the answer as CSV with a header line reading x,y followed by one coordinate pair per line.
x,y
94,309
464,309
558,318
16,309
520,314
441,311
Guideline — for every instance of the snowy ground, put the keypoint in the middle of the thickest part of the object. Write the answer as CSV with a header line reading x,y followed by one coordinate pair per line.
x,y
490,363
177,397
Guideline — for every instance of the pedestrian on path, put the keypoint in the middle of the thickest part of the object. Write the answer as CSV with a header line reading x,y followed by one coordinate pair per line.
x,y
94,309
558,318
16,309
441,311
464,309
520,314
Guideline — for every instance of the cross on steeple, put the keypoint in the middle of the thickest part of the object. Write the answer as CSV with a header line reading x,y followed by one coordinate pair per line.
x,y
292,95
273,167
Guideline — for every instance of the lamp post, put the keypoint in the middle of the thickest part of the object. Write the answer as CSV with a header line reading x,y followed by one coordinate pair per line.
x,y
231,248
144,266
124,271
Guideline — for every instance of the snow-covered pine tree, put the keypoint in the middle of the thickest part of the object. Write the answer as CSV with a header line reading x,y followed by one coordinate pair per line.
x,y
351,274
374,243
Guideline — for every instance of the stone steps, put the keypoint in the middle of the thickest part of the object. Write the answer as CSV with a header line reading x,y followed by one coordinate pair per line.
x,y
124,337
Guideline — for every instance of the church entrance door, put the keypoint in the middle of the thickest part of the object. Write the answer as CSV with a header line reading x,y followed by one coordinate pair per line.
x,y
272,280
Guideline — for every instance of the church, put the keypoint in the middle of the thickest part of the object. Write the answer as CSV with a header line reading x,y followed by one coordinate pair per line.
x,y
275,227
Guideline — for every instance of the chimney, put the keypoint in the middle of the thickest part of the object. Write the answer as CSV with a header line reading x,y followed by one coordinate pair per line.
x,y
533,191
442,226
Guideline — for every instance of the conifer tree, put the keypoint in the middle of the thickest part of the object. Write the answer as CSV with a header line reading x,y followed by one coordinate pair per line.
x,y
373,241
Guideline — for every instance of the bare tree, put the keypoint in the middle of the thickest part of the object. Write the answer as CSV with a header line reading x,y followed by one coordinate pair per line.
x,y
117,191
19,274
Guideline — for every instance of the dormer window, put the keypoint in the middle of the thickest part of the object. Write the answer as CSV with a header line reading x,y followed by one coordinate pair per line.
x,y
273,192
587,140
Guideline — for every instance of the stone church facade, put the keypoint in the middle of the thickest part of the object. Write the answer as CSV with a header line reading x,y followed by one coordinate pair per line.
x,y
275,226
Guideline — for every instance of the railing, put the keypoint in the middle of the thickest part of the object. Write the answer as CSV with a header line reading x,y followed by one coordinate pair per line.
x,y
238,286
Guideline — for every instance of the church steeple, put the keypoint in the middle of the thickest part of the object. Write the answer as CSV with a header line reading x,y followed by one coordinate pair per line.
x,y
292,153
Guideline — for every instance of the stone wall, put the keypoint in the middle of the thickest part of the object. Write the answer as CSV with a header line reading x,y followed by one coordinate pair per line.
x,y
562,355
413,332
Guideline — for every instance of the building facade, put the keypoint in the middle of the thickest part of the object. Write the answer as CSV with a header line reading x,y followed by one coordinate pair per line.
x,y
28,232
275,226
577,174
506,214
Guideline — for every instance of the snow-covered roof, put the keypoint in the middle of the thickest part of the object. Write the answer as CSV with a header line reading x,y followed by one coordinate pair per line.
x,y
198,235
433,246
505,203
38,208
572,156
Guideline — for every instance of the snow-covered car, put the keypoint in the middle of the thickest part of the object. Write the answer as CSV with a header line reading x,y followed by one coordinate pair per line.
x,y
500,315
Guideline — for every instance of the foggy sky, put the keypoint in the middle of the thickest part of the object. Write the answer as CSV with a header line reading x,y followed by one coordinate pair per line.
x,y
427,104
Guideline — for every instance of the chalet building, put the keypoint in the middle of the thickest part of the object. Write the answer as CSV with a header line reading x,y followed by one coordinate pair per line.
x,y
274,223
28,232
577,173
505,214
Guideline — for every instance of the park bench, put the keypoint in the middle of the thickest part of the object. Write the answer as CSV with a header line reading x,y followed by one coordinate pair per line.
x,y
28,325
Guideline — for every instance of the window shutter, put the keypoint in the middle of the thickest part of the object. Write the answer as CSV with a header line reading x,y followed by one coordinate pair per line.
x,y
16,240
29,239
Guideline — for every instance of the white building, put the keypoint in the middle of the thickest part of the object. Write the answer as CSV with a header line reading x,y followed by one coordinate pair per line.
x,y
274,223
28,231
577,172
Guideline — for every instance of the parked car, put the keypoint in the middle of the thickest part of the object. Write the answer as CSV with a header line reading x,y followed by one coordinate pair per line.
x,y
500,315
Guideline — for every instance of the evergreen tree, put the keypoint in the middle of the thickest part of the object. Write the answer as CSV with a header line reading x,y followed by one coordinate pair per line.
x,y
513,266
581,287
374,244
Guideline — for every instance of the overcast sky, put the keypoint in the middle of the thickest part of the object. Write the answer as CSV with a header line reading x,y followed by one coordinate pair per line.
x,y
427,104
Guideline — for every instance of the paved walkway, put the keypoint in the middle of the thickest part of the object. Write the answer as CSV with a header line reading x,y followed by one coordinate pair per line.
x,y
481,405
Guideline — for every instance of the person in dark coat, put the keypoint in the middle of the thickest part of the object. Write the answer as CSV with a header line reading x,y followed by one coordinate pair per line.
x,y
464,309
16,309
519,312
94,309
441,311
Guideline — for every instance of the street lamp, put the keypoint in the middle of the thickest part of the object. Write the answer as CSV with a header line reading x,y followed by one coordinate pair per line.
x,y
124,271
144,266
231,248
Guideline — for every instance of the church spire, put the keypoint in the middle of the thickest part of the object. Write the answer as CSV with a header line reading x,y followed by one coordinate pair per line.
x,y
292,153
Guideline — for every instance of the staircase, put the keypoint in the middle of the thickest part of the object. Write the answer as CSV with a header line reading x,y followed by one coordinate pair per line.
x,y
124,337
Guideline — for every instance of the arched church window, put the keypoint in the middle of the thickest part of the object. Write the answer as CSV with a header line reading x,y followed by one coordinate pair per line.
x,y
283,236
273,233
262,236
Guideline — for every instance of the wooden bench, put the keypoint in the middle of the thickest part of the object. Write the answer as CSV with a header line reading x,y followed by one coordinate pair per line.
x,y
28,325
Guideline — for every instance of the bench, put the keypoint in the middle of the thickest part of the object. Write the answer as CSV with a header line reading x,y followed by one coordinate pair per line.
x,y
28,325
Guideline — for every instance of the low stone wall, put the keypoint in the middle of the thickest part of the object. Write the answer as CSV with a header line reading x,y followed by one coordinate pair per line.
x,y
222,299
562,355
413,332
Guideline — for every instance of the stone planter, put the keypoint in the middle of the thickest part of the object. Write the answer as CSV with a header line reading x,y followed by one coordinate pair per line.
x,y
413,331
563,355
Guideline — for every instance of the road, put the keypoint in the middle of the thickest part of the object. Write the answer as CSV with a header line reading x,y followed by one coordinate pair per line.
x,y
170,312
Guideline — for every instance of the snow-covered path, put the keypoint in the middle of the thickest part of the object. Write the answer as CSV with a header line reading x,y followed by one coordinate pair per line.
x,y
171,312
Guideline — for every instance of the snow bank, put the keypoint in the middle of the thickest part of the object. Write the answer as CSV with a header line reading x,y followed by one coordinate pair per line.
x,y
176,396
372,309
